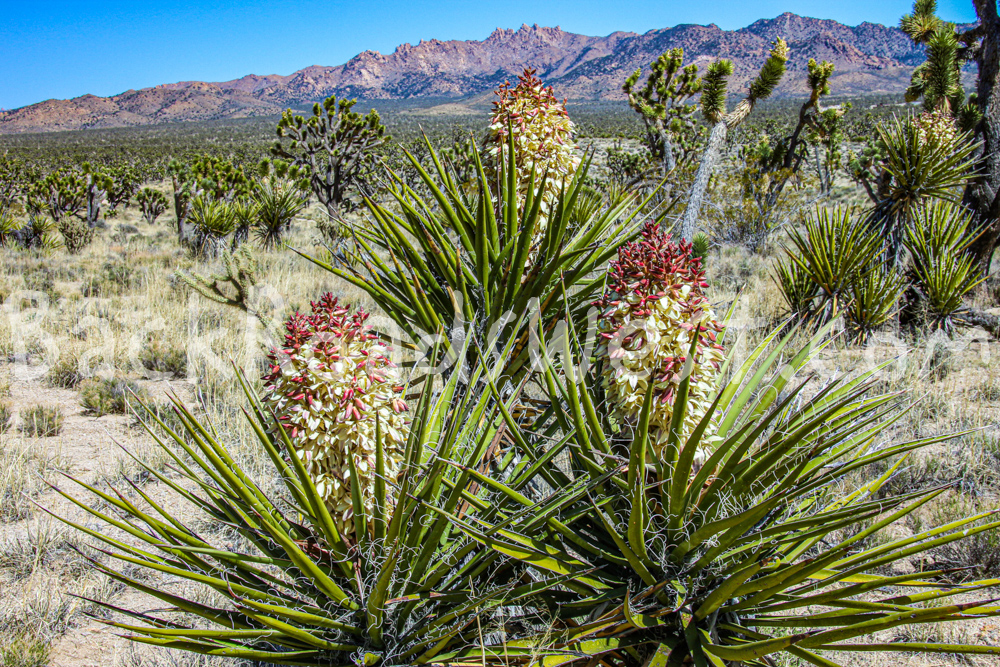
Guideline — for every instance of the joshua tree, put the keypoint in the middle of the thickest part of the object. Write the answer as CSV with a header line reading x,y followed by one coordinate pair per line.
x,y
333,146
713,107
58,194
664,104
152,204
938,82
126,181
96,186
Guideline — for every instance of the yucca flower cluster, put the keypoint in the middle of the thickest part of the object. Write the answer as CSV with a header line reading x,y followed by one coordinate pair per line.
x,y
326,387
542,137
653,309
936,127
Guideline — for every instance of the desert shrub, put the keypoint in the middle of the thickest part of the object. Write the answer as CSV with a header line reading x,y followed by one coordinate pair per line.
x,y
160,357
76,234
65,372
23,647
41,279
110,396
120,274
41,421
6,415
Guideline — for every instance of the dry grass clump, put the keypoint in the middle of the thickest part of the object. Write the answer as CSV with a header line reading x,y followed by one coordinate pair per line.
x,y
163,358
22,647
65,372
6,415
110,396
42,421
18,480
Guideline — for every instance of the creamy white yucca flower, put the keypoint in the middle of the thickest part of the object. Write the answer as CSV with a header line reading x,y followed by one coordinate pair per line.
x,y
530,115
652,311
936,127
326,387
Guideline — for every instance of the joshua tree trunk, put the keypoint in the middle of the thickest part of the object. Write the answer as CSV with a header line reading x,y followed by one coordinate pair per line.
x,y
716,140
983,195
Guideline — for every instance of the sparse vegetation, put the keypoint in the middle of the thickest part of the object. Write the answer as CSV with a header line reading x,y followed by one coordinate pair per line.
x,y
110,396
570,486
41,421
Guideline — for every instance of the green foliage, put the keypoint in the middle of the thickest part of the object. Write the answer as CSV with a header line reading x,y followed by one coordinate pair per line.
x,y
729,551
41,421
466,259
152,204
664,104
714,90
234,286
76,234
797,287
700,244
333,147
874,300
941,268
213,222
410,590
9,228
836,250
771,72
277,204
110,396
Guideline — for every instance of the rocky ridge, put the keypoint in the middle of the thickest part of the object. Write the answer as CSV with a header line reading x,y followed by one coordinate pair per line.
x,y
870,58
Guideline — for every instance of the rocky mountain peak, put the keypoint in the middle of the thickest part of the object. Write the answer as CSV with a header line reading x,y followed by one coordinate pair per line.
x,y
868,57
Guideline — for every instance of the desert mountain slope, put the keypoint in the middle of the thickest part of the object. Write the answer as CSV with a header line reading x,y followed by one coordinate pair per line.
x,y
869,58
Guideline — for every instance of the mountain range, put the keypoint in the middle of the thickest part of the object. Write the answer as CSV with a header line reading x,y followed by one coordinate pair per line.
x,y
869,58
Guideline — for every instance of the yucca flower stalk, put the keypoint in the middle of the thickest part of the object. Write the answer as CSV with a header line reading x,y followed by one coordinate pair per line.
x,y
532,124
653,313
936,127
756,552
411,590
330,387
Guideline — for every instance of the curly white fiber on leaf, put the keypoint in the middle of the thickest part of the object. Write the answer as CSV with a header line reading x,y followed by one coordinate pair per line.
x,y
652,311
326,387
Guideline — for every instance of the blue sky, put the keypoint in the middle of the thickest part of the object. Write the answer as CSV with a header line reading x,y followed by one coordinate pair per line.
x,y
60,49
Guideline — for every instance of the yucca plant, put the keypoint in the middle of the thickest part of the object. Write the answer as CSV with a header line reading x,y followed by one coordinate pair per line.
x,y
404,588
874,300
277,205
835,249
756,550
920,163
213,221
471,259
942,270
9,228
797,288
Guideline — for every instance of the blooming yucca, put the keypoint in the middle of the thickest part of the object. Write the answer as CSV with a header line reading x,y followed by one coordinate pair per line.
x,y
653,308
937,127
326,387
542,138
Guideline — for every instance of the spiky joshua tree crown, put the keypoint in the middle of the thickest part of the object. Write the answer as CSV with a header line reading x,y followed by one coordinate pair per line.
x,y
653,310
327,387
